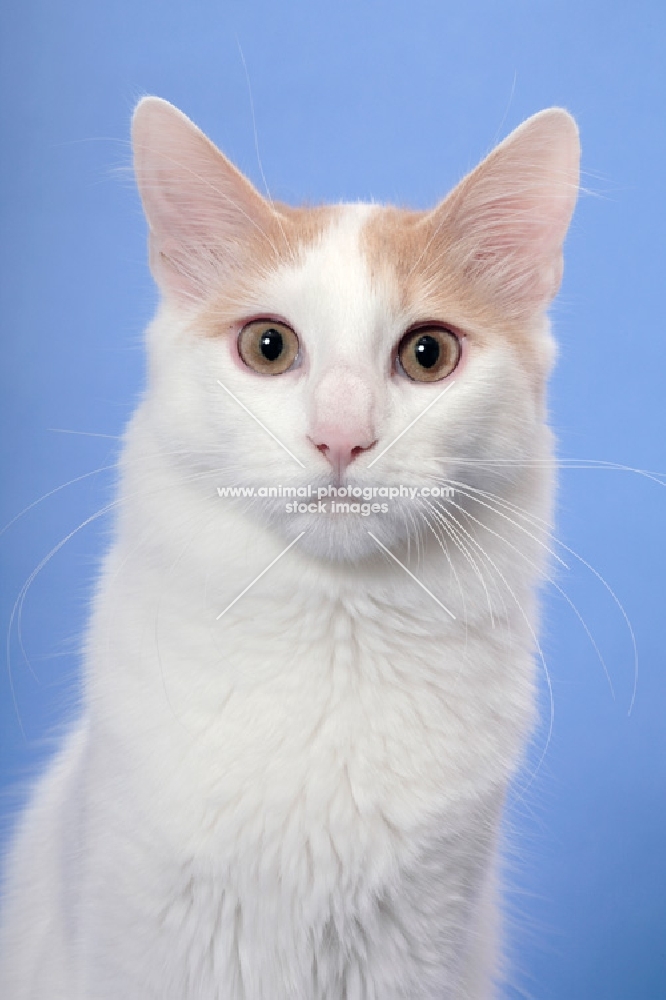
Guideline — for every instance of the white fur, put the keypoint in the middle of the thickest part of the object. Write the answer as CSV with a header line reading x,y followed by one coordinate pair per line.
x,y
300,800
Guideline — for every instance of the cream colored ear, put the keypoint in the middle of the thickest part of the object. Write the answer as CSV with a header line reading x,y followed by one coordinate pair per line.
x,y
200,209
507,219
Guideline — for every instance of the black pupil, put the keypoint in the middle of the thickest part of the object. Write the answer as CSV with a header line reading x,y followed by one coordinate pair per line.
x,y
427,351
271,344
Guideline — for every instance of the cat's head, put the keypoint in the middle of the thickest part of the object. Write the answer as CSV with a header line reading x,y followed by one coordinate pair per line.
x,y
351,345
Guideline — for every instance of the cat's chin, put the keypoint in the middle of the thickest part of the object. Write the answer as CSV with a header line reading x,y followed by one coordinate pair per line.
x,y
347,538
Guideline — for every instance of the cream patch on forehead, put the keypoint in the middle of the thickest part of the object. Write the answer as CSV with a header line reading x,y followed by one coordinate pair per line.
x,y
411,253
278,246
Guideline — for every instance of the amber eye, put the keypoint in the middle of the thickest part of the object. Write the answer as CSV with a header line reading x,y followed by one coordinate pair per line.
x,y
429,353
268,347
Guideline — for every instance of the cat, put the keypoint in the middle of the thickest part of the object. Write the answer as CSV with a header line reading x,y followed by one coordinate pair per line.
x,y
299,726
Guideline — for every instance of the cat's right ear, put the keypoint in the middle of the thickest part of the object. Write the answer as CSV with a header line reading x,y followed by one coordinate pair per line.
x,y
202,212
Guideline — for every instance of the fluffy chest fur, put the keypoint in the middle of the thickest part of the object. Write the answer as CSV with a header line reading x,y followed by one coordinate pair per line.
x,y
331,824
310,789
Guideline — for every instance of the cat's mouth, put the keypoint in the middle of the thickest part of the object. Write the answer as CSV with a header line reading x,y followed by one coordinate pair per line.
x,y
340,517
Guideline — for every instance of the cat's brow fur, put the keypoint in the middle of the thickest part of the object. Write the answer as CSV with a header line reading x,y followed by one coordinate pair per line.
x,y
406,249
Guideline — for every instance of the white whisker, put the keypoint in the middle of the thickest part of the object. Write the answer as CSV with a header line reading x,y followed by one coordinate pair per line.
x,y
547,577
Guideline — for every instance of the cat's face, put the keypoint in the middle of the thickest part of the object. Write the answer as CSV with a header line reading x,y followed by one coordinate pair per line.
x,y
351,346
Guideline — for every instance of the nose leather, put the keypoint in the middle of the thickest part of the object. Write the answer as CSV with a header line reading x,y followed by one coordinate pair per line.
x,y
342,426
341,452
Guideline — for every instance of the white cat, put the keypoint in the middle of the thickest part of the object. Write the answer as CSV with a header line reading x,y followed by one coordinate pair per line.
x,y
295,794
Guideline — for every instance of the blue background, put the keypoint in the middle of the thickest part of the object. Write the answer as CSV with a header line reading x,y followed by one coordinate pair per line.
x,y
392,101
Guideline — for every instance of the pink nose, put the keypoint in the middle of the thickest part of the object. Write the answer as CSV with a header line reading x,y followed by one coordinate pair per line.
x,y
341,450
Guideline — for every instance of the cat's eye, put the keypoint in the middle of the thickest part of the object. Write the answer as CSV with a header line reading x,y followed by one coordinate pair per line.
x,y
268,346
428,353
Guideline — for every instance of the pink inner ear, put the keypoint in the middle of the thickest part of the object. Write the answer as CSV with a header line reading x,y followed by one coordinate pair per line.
x,y
509,217
202,212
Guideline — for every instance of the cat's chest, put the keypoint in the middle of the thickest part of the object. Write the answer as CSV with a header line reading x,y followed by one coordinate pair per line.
x,y
326,729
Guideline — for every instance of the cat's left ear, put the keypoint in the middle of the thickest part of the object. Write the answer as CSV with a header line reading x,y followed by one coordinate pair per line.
x,y
202,212
505,223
